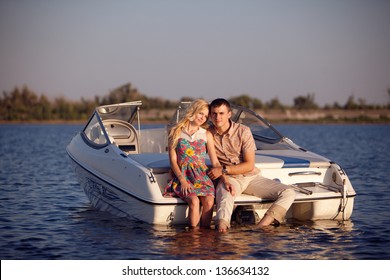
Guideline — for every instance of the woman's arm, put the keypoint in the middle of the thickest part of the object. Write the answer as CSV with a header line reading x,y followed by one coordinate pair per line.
x,y
185,187
211,150
173,162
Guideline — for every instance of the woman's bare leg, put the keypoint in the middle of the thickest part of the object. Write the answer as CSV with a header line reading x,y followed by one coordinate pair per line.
x,y
207,210
193,212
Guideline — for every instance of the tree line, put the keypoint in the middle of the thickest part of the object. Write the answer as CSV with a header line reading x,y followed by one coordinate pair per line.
x,y
23,104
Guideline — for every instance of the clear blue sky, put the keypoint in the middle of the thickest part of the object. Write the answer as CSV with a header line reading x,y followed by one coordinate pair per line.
x,y
209,49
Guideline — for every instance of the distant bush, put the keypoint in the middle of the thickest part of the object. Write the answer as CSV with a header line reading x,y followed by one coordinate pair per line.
x,y
23,104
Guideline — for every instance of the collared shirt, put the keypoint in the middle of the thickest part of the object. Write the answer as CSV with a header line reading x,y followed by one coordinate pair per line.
x,y
198,135
231,146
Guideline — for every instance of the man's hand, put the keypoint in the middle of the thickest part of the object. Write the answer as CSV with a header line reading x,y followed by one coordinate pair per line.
x,y
229,187
215,172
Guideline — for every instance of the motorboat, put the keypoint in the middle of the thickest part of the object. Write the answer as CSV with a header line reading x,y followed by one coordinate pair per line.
x,y
123,168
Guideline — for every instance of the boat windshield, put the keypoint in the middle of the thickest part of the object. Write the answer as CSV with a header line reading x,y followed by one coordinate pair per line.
x,y
123,111
261,129
116,118
94,132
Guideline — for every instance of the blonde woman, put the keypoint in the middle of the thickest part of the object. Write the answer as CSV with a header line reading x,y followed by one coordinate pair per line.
x,y
188,142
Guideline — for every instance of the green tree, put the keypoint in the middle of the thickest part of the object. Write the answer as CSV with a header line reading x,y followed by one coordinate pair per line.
x,y
246,101
305,102
274,103
43,109
351,104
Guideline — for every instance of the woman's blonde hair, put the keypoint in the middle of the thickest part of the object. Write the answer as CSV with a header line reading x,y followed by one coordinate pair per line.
x,y
189,115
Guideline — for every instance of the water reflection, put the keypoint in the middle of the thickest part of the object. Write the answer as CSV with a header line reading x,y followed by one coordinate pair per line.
x,y
121,238
313,240
204,244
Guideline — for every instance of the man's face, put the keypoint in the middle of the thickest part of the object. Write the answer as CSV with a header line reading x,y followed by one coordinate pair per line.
x,y
220,116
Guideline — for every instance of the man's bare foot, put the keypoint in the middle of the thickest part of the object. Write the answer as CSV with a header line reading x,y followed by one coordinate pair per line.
x,y
222,228
266,221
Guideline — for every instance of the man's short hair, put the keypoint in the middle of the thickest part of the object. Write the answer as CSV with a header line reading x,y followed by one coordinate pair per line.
x,y
219,102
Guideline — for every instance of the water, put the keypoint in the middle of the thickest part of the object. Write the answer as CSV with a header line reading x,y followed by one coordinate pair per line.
x,y
44,213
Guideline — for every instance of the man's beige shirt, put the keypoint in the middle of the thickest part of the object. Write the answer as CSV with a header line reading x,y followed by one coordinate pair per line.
x,y
231,146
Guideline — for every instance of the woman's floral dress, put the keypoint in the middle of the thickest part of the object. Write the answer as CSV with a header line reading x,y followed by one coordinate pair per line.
x,y
191,158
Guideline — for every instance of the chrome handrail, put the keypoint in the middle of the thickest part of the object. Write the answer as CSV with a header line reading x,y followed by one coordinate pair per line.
x,y
304,173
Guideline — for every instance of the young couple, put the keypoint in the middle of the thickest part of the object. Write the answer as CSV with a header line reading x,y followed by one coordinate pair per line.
x,y
231,149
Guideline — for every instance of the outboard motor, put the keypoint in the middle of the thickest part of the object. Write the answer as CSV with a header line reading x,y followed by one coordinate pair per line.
x,y
245,215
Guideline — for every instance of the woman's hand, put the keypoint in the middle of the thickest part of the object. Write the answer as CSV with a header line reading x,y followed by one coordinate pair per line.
x,y
185,187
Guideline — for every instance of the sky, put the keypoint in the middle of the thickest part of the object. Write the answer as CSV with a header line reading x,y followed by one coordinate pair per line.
x,y
281,49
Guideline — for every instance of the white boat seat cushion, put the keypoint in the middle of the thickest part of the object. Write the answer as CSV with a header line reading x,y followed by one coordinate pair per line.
x,y
157,162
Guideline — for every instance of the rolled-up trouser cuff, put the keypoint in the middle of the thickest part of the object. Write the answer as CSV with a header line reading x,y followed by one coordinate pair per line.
x,y
222,222
277,212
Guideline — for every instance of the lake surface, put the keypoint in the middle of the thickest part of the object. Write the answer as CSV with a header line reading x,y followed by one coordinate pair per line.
x,y
44,214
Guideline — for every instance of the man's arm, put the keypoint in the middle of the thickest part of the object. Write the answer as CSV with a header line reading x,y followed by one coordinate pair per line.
x,y
246,166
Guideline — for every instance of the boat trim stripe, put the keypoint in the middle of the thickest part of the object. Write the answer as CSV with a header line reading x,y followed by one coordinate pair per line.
x,y
237,202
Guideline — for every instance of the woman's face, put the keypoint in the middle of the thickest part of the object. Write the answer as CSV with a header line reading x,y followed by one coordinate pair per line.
x,y
201,117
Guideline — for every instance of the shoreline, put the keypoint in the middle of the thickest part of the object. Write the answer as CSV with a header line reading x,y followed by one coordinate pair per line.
x,y
287,116
156,122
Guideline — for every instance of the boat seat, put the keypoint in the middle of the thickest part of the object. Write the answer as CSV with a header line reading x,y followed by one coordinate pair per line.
x,y
157,162
123,135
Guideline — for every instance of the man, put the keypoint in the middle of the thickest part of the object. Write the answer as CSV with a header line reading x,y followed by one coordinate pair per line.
x,y
235,148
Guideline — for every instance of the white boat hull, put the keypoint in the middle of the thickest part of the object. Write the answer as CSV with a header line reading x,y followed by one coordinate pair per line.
x,y
105,195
